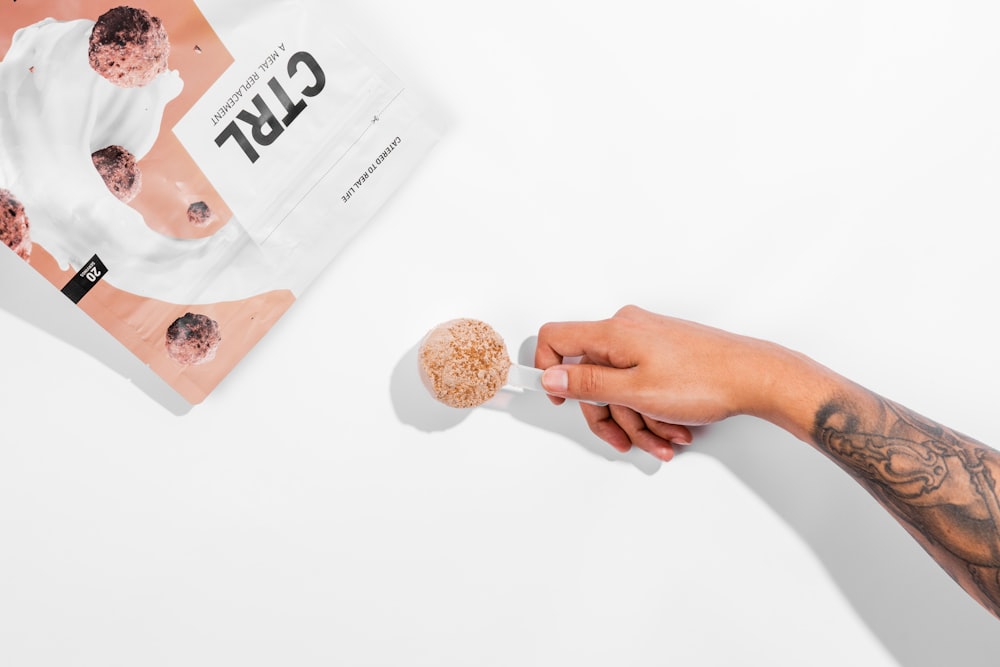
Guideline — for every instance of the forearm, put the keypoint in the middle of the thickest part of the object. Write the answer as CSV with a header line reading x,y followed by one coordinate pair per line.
x,y
940,484
659,375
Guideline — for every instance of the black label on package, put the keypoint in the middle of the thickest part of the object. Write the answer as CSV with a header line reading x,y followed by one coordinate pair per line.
x,y
85,279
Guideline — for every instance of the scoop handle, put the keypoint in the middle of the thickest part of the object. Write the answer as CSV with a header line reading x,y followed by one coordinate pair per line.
x,y
529,377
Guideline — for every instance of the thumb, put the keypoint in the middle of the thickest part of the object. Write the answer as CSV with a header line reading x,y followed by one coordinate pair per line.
x,y
587,382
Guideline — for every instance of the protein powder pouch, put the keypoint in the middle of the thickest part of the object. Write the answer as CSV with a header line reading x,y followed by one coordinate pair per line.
x,y
183,170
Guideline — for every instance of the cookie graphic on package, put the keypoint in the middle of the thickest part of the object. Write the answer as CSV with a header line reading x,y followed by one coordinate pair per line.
x,y
14,226
199,214
118,168
129,47
193,339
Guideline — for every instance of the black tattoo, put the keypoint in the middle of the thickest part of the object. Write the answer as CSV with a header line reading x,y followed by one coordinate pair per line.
x,y
939,483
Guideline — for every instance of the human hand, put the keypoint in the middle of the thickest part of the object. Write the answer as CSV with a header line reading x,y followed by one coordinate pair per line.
x,y
659,375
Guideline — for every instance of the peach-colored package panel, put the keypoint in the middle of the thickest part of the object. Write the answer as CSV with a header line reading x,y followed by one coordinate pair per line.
x,y
172,181
141,325
172,184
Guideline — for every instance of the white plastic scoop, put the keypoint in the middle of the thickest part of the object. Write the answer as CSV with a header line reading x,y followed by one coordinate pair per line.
x,y
464,363
521,377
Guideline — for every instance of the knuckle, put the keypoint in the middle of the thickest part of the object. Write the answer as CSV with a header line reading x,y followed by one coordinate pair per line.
x,y
590,382
629,311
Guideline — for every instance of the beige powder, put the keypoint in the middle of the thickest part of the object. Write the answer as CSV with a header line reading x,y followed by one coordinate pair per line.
x,y
464,362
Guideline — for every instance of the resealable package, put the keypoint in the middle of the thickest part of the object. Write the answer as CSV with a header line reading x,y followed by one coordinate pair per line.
x,y
182,170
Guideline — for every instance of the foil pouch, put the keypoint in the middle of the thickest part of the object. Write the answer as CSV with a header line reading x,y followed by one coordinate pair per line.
x,y
182,170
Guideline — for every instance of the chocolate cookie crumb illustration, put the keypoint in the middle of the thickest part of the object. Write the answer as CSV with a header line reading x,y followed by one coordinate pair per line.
x,y
199,214
193,339
120,172
464,362
14,226
129,47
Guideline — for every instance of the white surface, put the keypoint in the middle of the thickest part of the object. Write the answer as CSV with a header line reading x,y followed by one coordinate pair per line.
x,y
823,174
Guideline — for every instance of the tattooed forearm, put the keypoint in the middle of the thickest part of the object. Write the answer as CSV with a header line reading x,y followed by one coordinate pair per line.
x,y
940,484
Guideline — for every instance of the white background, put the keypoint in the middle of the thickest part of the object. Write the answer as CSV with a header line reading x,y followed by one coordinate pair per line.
x,y
824,174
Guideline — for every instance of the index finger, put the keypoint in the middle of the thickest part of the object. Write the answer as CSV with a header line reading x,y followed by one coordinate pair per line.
x,y
560,340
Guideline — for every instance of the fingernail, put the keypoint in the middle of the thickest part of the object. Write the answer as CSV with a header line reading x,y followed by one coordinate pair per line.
x,y
681,441
555,380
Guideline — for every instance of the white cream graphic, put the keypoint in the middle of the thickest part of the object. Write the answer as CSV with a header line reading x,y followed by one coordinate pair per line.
x,y
55,111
